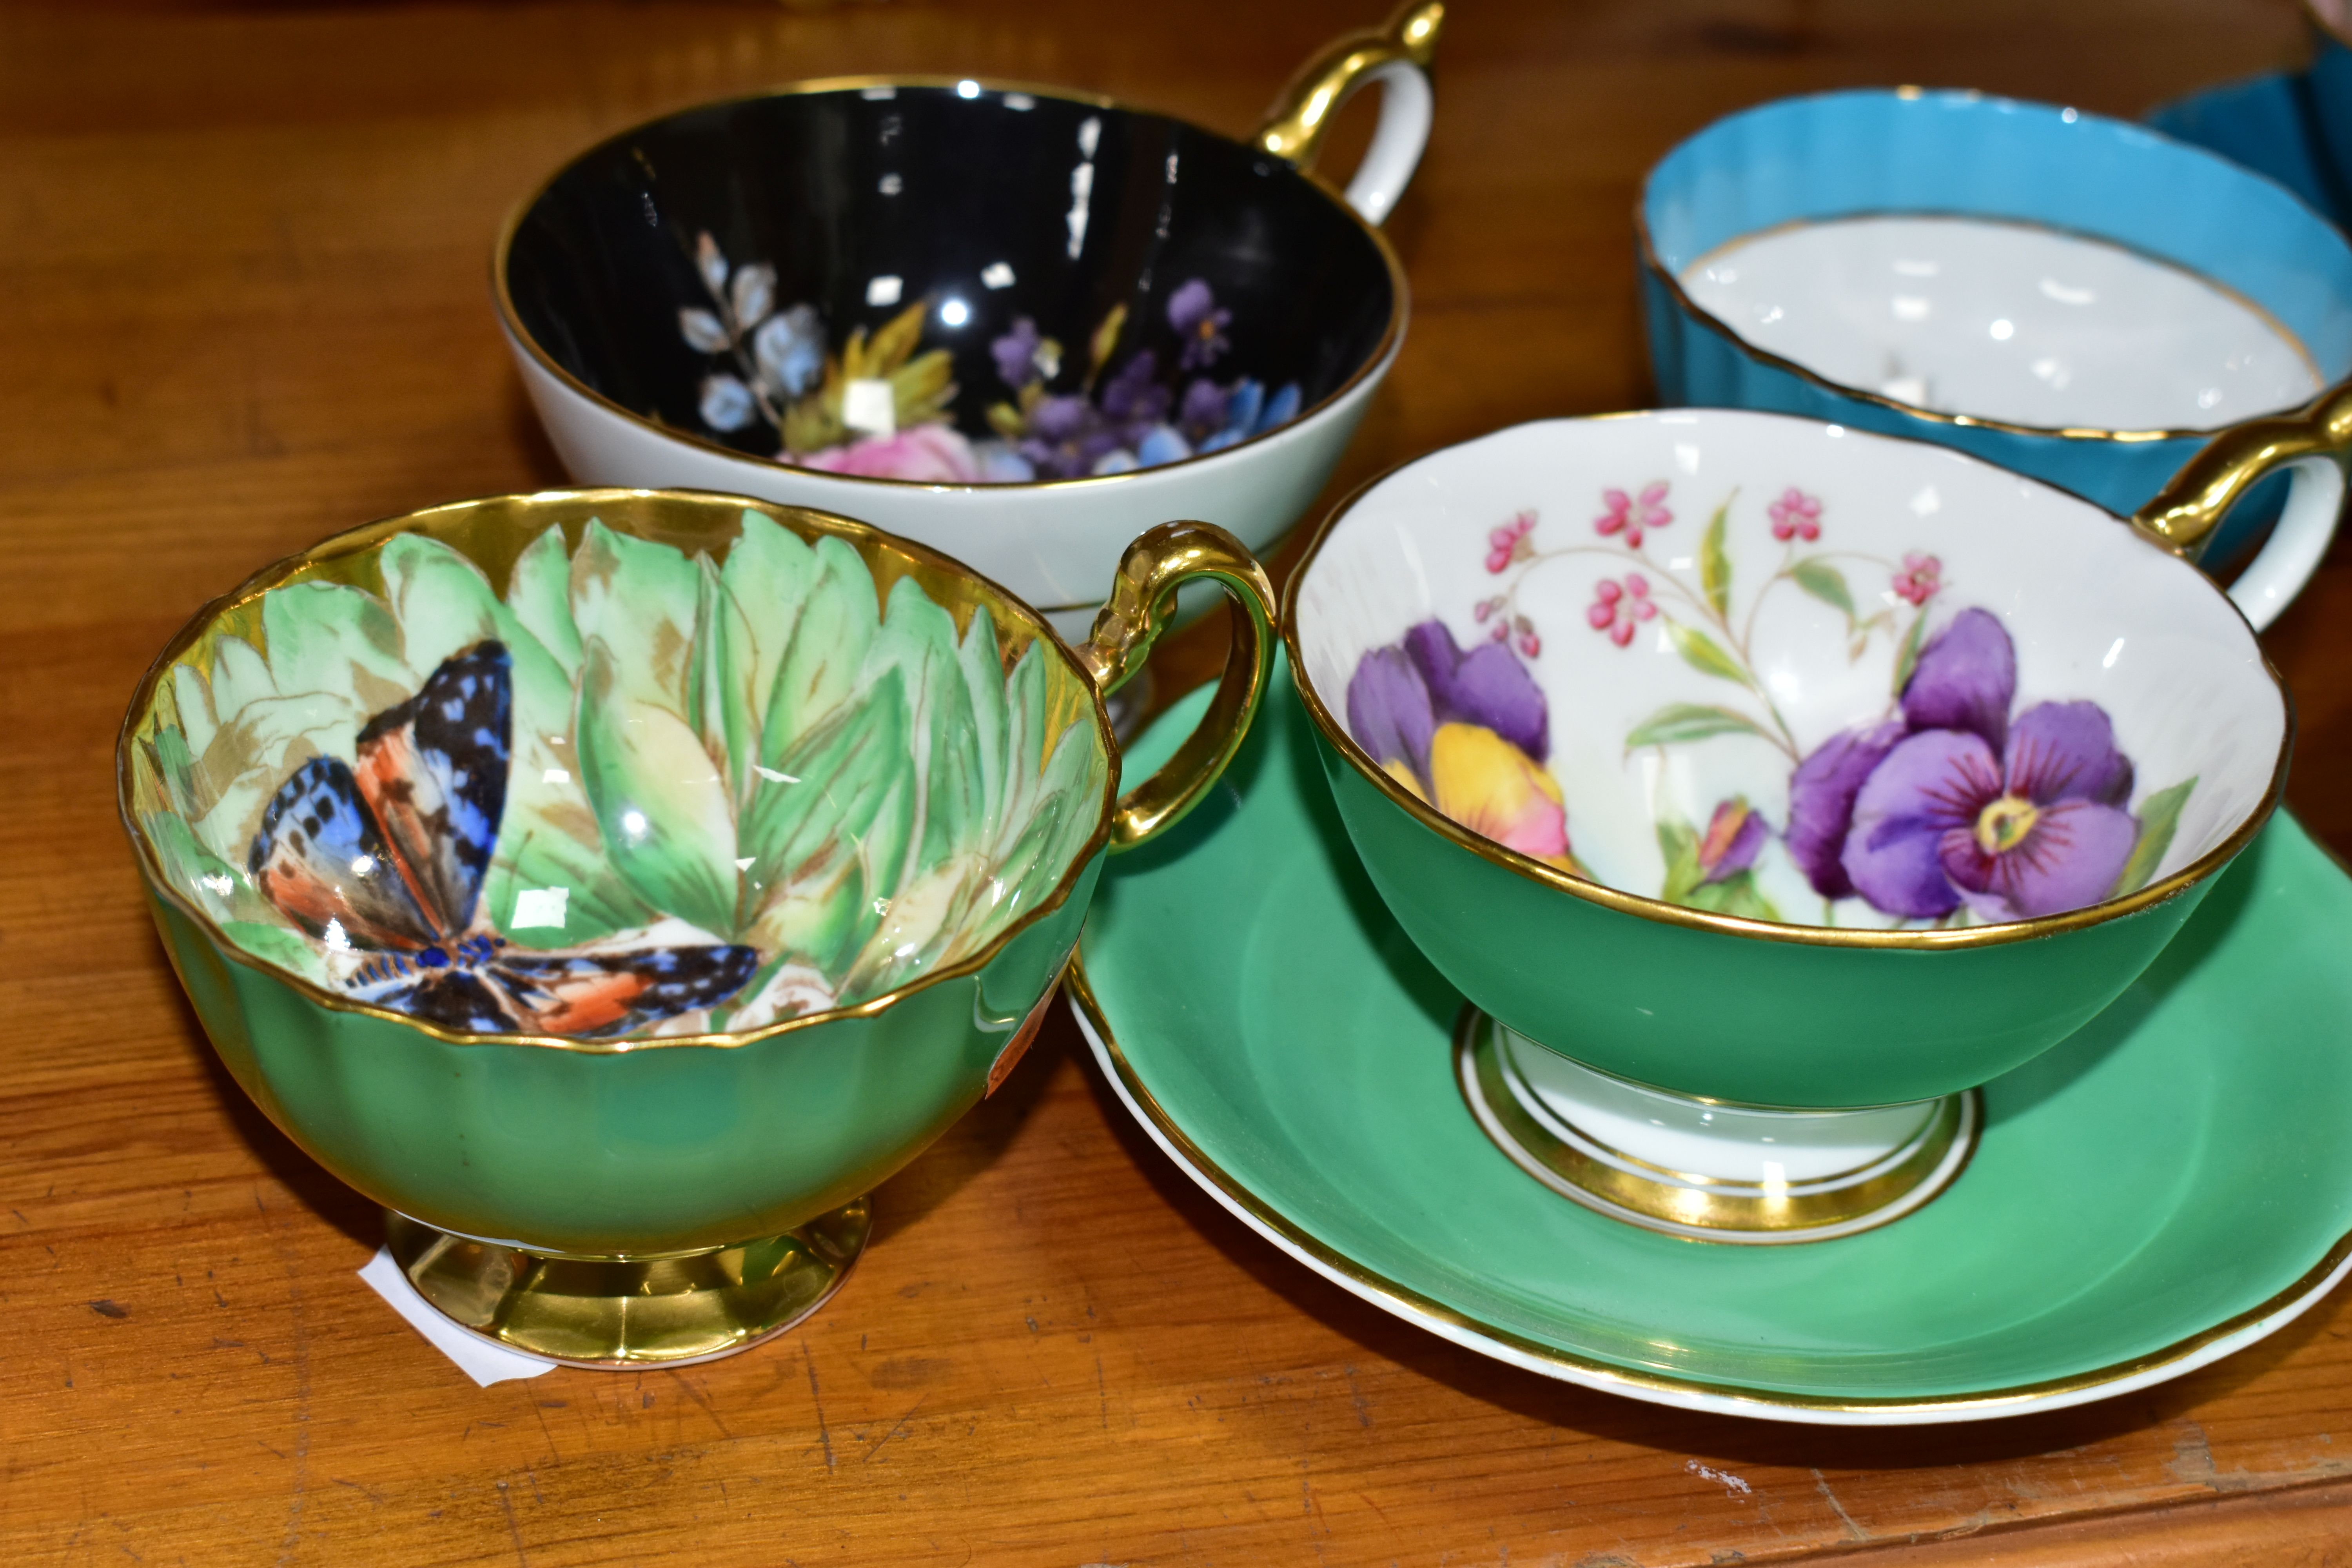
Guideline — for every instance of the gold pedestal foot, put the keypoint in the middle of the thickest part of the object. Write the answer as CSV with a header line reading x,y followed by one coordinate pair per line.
x,y
631,1312
1703,1169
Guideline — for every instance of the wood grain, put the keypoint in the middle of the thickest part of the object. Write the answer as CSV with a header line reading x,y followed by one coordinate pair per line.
x,y
242,305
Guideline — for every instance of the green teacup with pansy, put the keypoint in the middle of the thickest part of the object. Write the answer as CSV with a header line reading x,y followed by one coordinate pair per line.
x,y
1768,786
616,885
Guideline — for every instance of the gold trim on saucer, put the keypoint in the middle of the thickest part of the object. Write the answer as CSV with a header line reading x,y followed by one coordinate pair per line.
x,y
1626,1187
617,1313
509,319
1407,1302
1336,734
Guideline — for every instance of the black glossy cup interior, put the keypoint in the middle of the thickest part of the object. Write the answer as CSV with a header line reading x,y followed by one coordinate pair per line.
x,y
1009,202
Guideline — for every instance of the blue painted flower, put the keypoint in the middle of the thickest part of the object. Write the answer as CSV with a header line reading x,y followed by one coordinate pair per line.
x,y
790,350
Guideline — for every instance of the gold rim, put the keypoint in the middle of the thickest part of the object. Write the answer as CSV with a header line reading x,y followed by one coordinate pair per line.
x,y
1406,1301
1335,735
918,560
1381,353
1703,1207
1714,323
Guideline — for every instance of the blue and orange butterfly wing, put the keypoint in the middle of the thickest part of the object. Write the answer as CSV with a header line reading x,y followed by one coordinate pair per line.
x,y
455,998
580,994
434,772
322,859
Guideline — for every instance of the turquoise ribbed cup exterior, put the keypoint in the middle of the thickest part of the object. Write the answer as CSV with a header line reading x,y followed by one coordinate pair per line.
x,y
1845,154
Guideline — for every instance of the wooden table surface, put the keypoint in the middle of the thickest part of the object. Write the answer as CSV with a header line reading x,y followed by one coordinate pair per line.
x,y
242,305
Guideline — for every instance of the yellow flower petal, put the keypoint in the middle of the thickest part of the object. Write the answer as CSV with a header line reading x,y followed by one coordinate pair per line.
x,y
1492,787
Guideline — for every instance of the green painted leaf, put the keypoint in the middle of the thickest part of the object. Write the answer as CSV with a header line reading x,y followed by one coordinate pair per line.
x,y
663,813
240,676
638,598
1735,895
193,702
725,697
1713,563
2159,818
324,637
218,887
826,833
827,654
1704,654
276,944
770,574
539,592
1678,843
440,600
1680,721
984,688
917,639
1825,583
1907,657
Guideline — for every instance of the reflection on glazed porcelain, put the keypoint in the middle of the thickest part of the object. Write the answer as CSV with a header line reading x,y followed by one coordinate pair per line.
x,y
1947,802
1017,325
2004,321
1699,1169
881,410
641,792
1776,669
2079,1256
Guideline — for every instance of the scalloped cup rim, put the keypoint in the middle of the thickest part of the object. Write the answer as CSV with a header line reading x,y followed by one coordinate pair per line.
x,y
1646,252
370,536
1375,361
1335,734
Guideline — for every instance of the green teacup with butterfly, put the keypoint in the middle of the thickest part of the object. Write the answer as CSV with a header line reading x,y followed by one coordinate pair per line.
x,y
617,885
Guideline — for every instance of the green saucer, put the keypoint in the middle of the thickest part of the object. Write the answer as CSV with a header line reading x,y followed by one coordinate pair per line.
x,y
2169,1185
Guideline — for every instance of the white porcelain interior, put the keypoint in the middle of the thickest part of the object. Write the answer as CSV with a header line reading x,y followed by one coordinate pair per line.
x,y
1054,546
2007,320
1788,568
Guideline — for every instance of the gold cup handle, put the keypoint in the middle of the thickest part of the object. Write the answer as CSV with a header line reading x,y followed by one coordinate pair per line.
x,y
1143,605
1397,55
2313,442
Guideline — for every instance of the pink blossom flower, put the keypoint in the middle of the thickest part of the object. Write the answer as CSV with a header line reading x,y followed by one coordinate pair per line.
x,y
1796,515
1510,543
933,454
1618,609
1632,515
1920,577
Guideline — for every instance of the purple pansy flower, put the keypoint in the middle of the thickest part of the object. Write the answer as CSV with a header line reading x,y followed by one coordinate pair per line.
x,y
1821,802
1465,732
1399,695
1954,802
1485,686
1198,318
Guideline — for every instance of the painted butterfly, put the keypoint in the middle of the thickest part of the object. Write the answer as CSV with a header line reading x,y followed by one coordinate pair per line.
x,y
387,860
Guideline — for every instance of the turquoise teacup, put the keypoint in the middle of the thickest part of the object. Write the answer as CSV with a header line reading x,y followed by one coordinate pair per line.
x,y
2076,298
617,885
